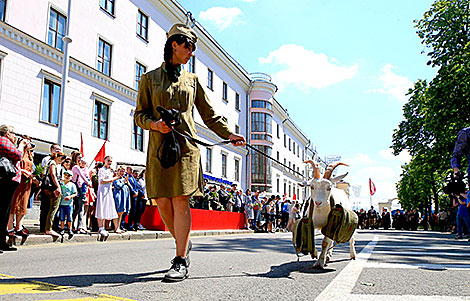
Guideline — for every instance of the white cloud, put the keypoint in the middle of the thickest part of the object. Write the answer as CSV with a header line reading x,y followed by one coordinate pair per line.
x,y
358,159
393,84
377,172
403,157
221,17
306,69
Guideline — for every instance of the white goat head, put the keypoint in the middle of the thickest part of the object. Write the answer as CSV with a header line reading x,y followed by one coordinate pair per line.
x,y
321,187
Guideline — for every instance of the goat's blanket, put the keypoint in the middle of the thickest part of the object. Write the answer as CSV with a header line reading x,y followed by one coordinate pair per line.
x,y
341,224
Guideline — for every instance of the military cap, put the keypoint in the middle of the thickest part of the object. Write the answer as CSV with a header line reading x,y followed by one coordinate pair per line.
x,y
183,30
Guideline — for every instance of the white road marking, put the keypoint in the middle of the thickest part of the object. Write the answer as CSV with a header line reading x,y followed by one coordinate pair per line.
x,y
427,266
447,248
340,288
417,253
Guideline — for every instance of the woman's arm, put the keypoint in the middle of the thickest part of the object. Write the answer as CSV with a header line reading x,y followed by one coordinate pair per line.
x,y
52,172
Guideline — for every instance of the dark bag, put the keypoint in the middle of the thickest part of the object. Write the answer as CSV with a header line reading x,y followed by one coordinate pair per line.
x,y
47,182
169,151
303,233
341,224
7,169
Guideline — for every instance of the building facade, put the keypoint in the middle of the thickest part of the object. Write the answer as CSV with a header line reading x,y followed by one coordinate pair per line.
x,y
112,44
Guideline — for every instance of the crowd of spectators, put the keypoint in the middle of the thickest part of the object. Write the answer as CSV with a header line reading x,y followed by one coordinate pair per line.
x,y
73,198
262,213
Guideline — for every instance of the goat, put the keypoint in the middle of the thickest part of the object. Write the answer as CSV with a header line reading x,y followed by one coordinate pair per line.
x,y
323,193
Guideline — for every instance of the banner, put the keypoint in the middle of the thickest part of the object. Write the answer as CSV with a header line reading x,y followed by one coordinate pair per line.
x,y
371,187
81,144
101,154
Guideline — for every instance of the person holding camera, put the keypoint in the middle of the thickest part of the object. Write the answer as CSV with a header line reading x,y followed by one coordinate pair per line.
x,y
171,87
8,185
461,148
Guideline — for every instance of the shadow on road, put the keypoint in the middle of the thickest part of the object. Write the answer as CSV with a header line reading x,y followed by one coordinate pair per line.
x,y
86,280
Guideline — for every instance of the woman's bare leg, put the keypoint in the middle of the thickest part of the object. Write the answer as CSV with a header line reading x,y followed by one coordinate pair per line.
x,y
182,223
165,208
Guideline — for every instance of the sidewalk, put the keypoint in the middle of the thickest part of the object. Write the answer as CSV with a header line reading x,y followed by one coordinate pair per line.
x,y
36,238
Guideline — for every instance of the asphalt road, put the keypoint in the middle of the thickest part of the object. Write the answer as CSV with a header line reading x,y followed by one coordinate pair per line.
x,y
391,265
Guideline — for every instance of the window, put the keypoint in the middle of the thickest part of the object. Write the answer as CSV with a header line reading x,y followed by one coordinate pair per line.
x,y
210,79
289,144
293,146
139,70
224,91
192,64
285,139
3,9
261,122
104,57
293,167
289,190
285,190
265,137
261,104
277,156
237,101
277,185
298,151
50,102
237,170
137,137
100,120
237,129
208,159
278,131
56,31
224,165
261,165
107,6
142,25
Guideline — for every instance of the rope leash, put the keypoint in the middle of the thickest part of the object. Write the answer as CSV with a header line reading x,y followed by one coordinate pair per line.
x,y
233,141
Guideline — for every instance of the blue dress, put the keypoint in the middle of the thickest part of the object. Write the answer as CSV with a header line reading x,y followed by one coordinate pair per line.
x,y
121,196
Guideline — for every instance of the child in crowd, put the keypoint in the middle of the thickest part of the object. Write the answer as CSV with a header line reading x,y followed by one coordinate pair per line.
x,y
69,191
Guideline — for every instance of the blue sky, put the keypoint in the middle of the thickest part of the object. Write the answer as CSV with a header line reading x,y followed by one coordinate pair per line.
x,y
342,68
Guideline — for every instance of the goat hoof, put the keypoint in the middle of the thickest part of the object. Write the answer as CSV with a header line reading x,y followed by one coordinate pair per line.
x,y
327,259
353,257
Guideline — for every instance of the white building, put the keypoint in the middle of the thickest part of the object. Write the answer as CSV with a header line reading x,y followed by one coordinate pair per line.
x,y
113,44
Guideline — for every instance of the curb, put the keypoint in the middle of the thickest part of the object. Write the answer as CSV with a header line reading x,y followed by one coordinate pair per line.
x,y
41,239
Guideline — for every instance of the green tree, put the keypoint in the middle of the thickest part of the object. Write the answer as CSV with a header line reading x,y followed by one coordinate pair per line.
x,y
437,110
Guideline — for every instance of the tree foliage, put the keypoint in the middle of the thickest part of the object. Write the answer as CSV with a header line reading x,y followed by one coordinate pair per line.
x,y
437,110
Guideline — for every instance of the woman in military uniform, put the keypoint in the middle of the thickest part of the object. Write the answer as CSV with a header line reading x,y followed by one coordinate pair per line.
x,y
173,88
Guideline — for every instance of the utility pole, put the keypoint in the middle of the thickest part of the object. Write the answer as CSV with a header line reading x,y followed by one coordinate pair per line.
x,y
65,72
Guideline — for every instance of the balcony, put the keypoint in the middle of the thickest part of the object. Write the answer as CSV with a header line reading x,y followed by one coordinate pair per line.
x,y
260,76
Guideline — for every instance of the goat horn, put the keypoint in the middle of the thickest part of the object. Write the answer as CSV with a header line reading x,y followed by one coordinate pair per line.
x,y
331,167
316,170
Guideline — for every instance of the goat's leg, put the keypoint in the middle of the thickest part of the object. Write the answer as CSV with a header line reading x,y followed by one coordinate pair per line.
x,y
320,263
352,249
329,252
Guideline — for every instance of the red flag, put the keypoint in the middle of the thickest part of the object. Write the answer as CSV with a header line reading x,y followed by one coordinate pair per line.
x,y
295,197
101,154
81,144
371,187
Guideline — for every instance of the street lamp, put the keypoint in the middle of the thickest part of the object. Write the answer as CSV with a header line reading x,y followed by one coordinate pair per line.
x,y
65,72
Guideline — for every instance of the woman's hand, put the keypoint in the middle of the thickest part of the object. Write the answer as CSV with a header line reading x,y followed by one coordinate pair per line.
x,y
160,126
237,140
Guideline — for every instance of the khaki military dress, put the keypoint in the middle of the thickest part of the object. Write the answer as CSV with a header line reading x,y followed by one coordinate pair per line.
x,y
155,89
